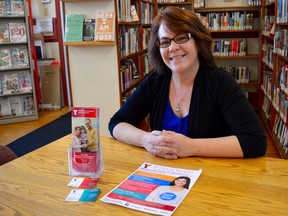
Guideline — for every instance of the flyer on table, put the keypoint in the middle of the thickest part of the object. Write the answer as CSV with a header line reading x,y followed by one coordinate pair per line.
x,y
154,189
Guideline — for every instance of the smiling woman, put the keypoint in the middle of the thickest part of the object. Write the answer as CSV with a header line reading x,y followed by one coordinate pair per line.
x,y
195,107
172,194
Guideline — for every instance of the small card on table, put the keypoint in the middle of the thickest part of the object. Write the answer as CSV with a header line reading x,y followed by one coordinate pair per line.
x,y
76,195
86,183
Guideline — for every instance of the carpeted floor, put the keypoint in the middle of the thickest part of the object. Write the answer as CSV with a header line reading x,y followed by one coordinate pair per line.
x,y
48,133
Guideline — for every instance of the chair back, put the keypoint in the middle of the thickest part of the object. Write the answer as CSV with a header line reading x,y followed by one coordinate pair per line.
x,y
6,155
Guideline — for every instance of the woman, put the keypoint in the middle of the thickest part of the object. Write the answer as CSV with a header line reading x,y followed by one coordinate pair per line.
x,y
172,194
196,108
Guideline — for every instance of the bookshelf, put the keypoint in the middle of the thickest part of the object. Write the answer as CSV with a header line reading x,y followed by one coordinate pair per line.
x,y
18,101
92,66
274,69
133,37
236,31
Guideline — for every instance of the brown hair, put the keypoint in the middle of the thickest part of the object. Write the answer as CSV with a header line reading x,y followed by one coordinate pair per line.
x,y
180,21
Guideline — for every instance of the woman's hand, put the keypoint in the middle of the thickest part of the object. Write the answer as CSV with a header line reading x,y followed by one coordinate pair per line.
x,y
166,144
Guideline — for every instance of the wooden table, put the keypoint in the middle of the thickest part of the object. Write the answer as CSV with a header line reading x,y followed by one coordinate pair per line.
x,y
36,184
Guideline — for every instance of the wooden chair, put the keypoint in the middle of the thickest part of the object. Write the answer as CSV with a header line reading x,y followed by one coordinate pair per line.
x,y
6,155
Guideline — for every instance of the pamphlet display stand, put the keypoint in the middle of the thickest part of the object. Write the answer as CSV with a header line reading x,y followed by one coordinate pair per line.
x,y
85,151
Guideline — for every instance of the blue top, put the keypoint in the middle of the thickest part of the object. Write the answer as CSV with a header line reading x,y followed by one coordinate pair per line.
x,y
172,122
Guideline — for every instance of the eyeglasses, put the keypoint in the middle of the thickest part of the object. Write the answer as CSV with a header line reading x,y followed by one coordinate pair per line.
x,y
178,39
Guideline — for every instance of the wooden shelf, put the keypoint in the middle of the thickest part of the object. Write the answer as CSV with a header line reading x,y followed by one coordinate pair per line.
x,y
90,43
228,8
238,57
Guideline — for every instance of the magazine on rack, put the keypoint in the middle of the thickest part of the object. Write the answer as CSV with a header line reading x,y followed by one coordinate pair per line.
x,y
154,189
84,153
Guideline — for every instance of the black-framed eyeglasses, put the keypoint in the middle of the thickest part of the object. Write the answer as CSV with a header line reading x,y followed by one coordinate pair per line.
x,y
178,39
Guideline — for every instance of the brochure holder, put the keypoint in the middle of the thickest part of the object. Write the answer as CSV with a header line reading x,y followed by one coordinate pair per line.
x,y
85,151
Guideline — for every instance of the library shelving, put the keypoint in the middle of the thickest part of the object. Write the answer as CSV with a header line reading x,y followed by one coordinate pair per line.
x,y
274,71
134,20
236,34
18,101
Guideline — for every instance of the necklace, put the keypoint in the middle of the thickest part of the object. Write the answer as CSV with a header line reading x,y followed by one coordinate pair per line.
x,y
177,109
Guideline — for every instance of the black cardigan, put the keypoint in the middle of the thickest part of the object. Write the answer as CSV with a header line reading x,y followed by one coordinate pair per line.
x,y
218,108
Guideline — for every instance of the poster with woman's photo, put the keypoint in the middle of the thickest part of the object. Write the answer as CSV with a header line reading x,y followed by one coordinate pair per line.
x,y
85,149
154,189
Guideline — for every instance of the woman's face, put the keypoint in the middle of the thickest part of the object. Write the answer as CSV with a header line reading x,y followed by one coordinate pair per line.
x,y
180,58
77,131
180,182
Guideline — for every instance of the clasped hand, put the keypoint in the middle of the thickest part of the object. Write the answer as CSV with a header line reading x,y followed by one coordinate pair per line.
x,y
166,144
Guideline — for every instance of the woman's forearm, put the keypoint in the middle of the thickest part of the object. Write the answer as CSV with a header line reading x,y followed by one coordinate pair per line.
x,y
129,134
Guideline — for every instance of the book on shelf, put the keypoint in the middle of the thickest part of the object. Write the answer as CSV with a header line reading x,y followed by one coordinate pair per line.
x,y
16,106
17,7
88,29
28,105
83,160
8,9
24,82
9,83
4,33
134,15
74,27
104,25
17,32
2,8
5,108
19,57
5,59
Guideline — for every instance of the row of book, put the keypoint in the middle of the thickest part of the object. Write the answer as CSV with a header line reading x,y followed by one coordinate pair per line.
x,y
13,32
14,58
101,28
129,71
241,74
284,77
127,12
275,95
230,47
197,3
268,56
146,13
282,10
14,83
238,20
280,131
281,42
17,105
128,40
11,8
254,2
268,27
279,128
145,37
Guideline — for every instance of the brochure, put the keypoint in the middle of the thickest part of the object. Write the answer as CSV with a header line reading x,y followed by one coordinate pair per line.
x,y
84,153
154,189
